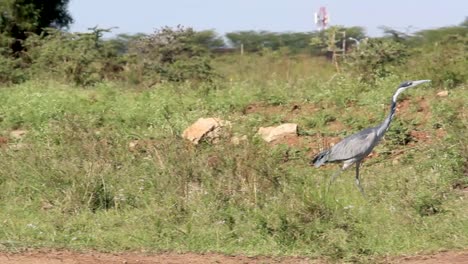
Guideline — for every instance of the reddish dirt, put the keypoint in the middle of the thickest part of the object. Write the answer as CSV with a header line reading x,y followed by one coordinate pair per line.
x,y
336,126
423,110
452,257
3,141
258,108
314,144
420,136
289,111
70,257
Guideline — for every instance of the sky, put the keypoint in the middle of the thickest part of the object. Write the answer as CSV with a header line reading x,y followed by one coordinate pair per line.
x,y
144,16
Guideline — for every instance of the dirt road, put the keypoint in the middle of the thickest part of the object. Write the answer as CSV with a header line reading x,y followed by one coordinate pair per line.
x,y
69,257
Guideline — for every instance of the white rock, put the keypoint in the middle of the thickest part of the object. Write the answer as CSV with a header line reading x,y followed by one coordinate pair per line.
x,y
209,128
443,93
236,140
18,134
18,146
270,134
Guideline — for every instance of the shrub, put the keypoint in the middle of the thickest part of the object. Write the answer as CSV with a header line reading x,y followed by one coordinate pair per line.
x,y
10,70
376,58
10,66
444,61
81,58
171,55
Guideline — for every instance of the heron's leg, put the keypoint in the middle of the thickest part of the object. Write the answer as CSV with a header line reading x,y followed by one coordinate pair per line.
x,y
358,182
333,177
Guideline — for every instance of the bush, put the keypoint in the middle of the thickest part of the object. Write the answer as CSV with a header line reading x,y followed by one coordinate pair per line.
x,y
81,58
170,55
10,66
444,62
10,70
376,58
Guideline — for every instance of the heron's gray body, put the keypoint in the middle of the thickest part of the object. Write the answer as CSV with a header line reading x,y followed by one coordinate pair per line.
x,y
351,149
354,148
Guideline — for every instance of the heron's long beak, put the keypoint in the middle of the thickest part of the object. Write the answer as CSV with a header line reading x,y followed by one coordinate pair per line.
x,y
419,82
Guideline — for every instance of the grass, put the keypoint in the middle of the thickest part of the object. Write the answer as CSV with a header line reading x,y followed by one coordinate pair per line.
x,y
74,181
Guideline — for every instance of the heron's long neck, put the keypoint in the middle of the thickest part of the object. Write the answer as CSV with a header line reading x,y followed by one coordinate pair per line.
x,y
386,123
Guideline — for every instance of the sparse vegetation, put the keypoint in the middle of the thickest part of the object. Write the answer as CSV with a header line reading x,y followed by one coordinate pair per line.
x,y
100,163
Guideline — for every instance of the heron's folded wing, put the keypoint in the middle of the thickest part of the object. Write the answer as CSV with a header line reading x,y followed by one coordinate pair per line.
x,y
356,145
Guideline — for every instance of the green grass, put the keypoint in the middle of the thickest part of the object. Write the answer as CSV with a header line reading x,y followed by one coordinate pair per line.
x,y
76,183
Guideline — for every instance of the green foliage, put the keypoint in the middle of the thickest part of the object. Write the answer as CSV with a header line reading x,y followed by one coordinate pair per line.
x,y
327,39
122,42
171,55
82,59
251,40
256,41
21,16
433,36
376,58
208,39
427,205
106,168
332,38
445,60
11,70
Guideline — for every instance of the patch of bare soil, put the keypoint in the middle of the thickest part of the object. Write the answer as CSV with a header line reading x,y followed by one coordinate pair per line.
x,y
70,257
289,111
314,143
452,257
423,111
336,126
3,141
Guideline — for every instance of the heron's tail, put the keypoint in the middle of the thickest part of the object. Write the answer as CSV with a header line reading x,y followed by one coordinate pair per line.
x,y
321,158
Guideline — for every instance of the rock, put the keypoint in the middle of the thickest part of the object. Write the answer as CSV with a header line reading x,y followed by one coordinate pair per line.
x,y
45,205
142,145
236,140
18,134
132,145
18,146
442,94
205,128
270,134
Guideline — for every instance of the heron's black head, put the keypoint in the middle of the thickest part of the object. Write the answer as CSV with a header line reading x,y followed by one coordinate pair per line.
x,y
405,84
408,84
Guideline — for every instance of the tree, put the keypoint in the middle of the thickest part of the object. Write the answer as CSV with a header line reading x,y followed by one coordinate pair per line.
x,y
377,58
251,40
18,17
208,39
394,34
332,38
172,54
122,42
254,41
431,36
464,23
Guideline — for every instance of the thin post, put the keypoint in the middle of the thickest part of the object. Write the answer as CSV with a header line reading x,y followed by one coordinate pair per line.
x,y
344,43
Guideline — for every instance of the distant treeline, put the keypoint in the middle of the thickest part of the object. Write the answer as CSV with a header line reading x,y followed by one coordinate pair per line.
x,y
34,43
255,41
20,19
